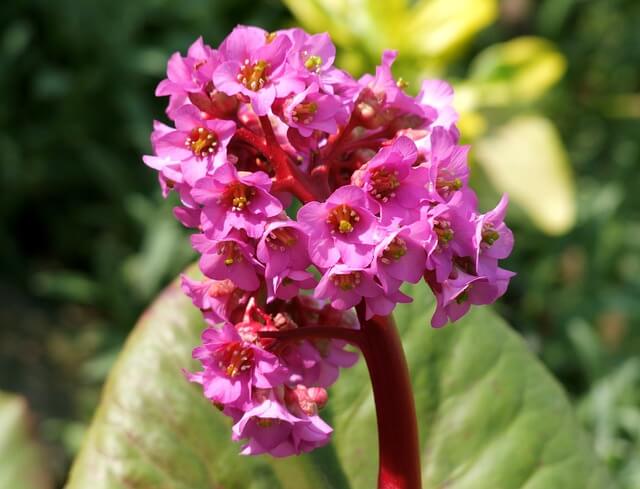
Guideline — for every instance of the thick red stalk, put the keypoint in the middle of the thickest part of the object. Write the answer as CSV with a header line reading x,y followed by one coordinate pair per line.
x,y
378,339
288,175
399,449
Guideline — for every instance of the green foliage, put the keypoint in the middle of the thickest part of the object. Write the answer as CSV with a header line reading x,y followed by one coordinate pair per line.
x,y
79,213
489,414
503,80
22,461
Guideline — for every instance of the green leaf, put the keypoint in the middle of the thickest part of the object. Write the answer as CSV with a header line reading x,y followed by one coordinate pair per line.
x,y
515,72
490,416
22,464
426,32
526,159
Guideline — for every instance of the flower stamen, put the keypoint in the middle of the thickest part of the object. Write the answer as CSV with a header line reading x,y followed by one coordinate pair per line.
x,y
253,75
384,183
201,142
342,219
396,250
346,281
281,238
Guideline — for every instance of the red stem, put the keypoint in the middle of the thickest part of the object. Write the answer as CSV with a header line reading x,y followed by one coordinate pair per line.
x,y
398,446
352,336
288,175
399,449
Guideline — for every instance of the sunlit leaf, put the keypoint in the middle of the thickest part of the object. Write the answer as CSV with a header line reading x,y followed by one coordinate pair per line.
x,y
515,72
526,159
490,416
439,28
427,32
22,462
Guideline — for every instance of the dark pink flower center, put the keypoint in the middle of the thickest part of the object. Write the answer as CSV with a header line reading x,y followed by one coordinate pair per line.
x,y
201,142
312,62
463,296
396,250
447,183
384,183
267,422
443,229
220,288
237,196
304,112
489,234
253,75
281,239
346,281
342,219
234,358
231,252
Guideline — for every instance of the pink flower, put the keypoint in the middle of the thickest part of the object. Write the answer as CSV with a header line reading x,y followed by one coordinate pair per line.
x,y
340,228
438,95
458,293
345,286
232,367
283,246
395,187
267,119
313,110
492,238
272,429
446,231
186,75
447,164
333,357
198,145
254,66
235,200
229,258
217,299
399,258
288,283
382,99
313,54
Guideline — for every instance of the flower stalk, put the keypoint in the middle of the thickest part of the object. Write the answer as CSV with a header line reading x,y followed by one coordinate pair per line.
x,y
398,445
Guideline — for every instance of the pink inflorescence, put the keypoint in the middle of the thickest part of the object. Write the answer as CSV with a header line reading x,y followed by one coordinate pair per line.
x,y
265,119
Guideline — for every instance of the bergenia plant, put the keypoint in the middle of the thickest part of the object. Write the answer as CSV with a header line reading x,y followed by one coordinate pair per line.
x,y
264,122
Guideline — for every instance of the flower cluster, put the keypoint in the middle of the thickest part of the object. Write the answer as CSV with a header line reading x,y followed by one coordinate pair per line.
x,y
383,181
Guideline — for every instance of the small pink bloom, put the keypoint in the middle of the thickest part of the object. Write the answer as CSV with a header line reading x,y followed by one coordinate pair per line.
x,y
229,258
235,200
447,164
462,290
217,299
399,258
254,66
186,75
283,246
492,238
340,228
438,95
287,284
272,429
313,110
345,286
232,367
395,187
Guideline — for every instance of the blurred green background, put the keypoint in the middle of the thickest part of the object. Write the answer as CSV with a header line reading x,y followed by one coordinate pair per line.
x,y
549,93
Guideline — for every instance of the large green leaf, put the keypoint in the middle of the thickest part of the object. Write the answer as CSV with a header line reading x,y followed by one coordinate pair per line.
x,y
490,416
525,157
22,462
426,32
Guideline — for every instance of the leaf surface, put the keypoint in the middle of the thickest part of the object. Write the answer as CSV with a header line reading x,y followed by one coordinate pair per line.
x,y
490,416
